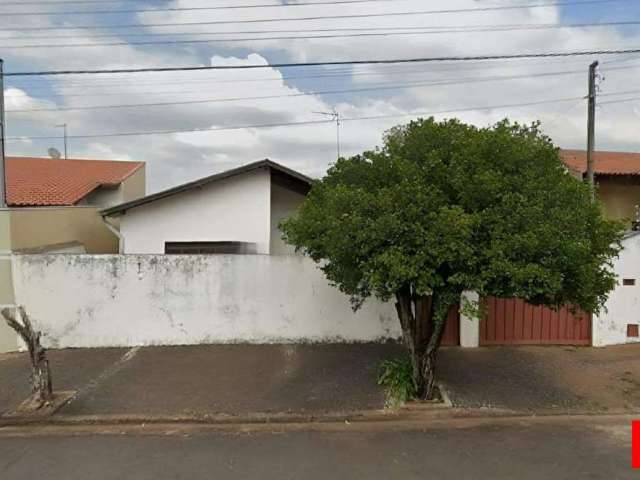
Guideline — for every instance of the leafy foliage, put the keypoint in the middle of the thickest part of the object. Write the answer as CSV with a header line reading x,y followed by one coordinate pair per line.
x,y
445,207
397,378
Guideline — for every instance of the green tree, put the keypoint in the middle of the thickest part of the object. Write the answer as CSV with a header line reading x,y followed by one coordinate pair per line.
x,y
445,207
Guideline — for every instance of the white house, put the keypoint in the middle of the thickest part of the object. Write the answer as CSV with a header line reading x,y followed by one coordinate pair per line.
x,y
265,295
236,211
620,321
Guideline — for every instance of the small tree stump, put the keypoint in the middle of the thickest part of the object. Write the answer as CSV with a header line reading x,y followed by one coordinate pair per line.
x,y
41,386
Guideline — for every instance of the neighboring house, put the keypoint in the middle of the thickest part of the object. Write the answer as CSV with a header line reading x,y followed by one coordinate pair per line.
x,y
54,203
236,211
38,182
617,176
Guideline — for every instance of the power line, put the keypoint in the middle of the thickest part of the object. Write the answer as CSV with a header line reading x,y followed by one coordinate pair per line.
x,y
36,83
318,17
435,29
453,29
300,94
290,124
326,63
235,32
170,9
620,100
374,87
61,2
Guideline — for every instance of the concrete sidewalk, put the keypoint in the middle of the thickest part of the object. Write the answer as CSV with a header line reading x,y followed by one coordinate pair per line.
x,y
211,379
314,380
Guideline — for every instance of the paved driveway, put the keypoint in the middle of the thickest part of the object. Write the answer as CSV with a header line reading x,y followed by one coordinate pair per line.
x,y
544,379
242,379
210,379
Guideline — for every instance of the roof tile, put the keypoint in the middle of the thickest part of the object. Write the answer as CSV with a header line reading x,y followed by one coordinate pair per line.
x,y
55,182
606,163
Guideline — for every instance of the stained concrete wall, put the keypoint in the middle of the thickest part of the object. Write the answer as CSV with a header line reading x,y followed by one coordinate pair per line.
x,y
623,306
126,300
234,209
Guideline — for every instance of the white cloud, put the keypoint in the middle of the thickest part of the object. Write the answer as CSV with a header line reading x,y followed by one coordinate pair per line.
x,y
178,157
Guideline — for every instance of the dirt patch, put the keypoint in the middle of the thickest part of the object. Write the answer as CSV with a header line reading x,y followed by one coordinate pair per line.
x,y
607,379
544,379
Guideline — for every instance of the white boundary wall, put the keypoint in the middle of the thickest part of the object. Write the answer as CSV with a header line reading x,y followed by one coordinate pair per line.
x,y
623,306
127,300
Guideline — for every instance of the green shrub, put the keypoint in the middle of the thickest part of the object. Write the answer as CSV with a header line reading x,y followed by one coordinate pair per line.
x,y
397,378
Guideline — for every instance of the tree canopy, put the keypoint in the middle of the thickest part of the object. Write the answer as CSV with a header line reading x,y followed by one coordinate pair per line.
x,y
451,205
444,207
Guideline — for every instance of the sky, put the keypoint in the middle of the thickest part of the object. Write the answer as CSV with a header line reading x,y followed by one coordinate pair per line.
x,y
369,98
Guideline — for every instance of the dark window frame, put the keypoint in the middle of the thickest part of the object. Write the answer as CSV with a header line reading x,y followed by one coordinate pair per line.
x,y
209,248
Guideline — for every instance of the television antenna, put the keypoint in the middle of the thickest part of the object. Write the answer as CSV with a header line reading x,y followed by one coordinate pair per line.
x,y
64,126
335,115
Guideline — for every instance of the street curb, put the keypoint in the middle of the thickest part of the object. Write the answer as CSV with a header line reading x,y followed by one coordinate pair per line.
x,y
179,426
408,412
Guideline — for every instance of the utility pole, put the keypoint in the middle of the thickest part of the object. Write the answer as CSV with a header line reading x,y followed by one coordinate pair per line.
x,y
3,176
591,127
336,116
64,126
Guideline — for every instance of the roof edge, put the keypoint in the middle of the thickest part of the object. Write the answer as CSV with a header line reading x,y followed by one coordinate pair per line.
x,y
266,163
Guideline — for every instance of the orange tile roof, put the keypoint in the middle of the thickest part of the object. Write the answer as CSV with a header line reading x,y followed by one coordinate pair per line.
x,y
606,163
46,181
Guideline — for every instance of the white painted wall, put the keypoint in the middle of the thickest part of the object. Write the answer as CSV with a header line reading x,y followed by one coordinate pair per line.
x,y
623,305
233,209
284,203
469,325
126,300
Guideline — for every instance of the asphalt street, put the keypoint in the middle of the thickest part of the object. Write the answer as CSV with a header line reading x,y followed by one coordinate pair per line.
x,y
549,448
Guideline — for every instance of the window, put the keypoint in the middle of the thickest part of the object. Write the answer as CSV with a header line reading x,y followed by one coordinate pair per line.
x,y
632,330
208,248
628,282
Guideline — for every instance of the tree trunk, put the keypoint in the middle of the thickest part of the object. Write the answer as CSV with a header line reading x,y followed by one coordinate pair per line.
x,y
41,386
423,320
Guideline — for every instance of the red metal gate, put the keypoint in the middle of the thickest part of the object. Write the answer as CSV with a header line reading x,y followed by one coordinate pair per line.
x,y
451,335
511,321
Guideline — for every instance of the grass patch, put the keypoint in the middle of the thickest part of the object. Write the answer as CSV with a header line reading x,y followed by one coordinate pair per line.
x,y
396,376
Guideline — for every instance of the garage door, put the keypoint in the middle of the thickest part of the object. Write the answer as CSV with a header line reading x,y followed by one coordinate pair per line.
x,y
511,321
451,335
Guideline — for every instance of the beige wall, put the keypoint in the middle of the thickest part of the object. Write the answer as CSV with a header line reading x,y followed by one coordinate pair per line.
x,y
619,195
132,188
8,338
135,186
37,227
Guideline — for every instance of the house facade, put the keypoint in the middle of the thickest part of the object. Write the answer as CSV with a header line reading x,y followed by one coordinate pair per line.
x,y
53,204
617,177
619,322
250,287
236,211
